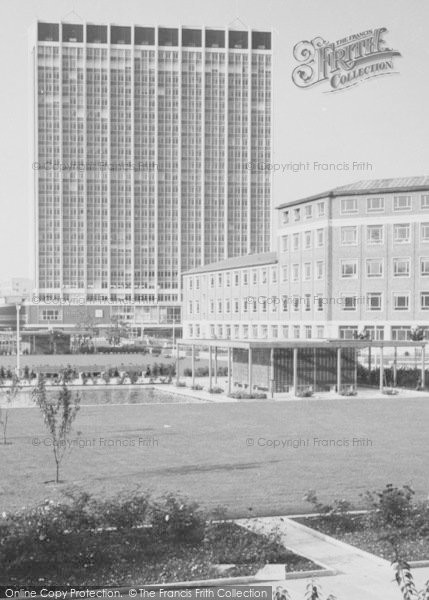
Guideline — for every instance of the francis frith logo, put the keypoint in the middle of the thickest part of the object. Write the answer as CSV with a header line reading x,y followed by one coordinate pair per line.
x,y
344,63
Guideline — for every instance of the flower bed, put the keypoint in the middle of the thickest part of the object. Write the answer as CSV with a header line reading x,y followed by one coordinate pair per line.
x,y
128,541
395,526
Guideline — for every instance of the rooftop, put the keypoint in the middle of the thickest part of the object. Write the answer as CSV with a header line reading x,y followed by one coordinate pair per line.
x,y
371,186
248,260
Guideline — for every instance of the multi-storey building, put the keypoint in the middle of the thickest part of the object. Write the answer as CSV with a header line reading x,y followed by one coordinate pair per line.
x,y
350,260
142,139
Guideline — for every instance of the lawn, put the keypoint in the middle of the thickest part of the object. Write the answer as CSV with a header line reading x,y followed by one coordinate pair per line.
x,y
219,453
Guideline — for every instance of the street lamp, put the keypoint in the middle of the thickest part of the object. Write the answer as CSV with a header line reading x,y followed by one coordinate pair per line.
x,y
18,340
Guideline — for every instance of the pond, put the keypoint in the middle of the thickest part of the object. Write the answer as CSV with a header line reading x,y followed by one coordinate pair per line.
x,y
146,395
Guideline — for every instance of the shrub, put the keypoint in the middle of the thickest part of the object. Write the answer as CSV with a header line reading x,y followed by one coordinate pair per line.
x,y
215,390
304,393
180,384
335,516
242,395
197,387
174,519
392,506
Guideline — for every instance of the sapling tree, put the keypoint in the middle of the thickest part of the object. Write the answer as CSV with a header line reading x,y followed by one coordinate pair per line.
x,y
9,396
59,416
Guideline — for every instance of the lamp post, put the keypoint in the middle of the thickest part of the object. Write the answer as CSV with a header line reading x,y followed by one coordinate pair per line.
x,y
18,340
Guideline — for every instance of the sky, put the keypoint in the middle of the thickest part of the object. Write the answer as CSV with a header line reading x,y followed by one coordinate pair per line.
x,y
383,121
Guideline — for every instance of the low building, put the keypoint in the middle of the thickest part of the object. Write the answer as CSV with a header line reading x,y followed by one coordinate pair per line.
x,y
350,261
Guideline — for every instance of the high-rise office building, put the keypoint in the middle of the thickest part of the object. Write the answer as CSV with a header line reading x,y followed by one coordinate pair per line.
x,y
149,149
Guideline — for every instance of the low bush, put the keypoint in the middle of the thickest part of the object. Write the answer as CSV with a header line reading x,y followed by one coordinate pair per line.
x,y
197,387
215,390
242,395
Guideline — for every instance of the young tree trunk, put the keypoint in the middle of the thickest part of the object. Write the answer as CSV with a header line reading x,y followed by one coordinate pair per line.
x,y
57,475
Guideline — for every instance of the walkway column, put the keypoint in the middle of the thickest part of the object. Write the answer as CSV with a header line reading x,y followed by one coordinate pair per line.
x,y
381,369
229,369
295,371
193,365
210,367
271,382
215,365
249,371
395,366
338,370
423,368
177,362
356,367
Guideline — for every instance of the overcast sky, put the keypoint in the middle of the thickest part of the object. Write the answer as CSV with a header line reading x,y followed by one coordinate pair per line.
x,y
383,121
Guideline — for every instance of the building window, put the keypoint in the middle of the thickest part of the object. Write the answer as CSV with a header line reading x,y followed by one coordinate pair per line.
x,y
424,232
320,332
348,206
285,243
307,271
319,302
402,203
212,281
51,314
236,305
348,236
401,334
348,269
307,302
255,306
245,278
296,241
264,276
219,280
295,272
401,233
245,331
285,272
424,202
274,331
274,275
349,303
308,211
212,331
285,217
297,214
307,332
254,331
320,238
211,307
236,331
219,307
190,282
375,235
295,303
254,277
375,332
220,331
401,301
401,267
285,303
191,331
424,267
228,279
424,300
307,239
190,307
320,269
373,301
197,283
98,313
347,332
374,267
374,205
197,308
296,331
236,278
264,306
321,209
285,331
245,304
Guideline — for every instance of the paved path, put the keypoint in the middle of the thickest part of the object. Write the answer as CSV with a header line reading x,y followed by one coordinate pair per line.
x,y
360,575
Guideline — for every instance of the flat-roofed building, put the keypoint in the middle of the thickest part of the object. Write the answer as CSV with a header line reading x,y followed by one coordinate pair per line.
x,y
350,261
